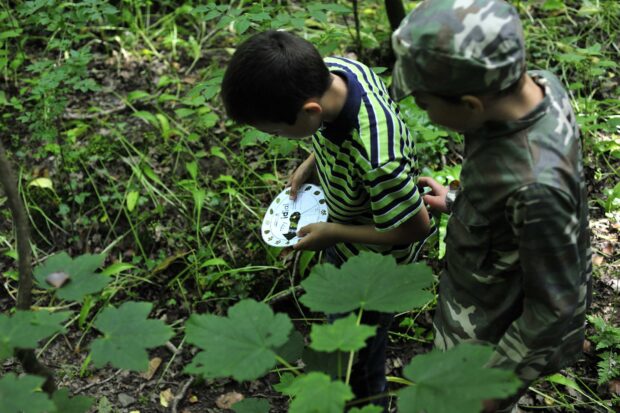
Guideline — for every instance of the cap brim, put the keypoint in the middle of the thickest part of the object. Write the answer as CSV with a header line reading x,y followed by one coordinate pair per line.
x,y
400,90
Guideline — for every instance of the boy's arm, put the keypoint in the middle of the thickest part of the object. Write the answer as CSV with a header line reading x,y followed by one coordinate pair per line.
x,y
554,286
399,214
302,174
322,235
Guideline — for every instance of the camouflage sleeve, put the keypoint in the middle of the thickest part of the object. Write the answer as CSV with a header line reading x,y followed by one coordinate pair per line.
x,y
546,225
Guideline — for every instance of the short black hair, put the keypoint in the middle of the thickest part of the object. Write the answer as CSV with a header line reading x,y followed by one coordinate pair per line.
x,y
270,76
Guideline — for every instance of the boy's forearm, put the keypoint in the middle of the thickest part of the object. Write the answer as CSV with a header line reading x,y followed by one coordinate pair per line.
x,y
413,230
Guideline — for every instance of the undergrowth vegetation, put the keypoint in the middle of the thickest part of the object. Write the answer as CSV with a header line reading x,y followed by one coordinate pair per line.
x,y
140,192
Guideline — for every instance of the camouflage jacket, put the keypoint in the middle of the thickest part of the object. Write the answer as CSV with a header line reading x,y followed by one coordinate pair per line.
x,y
518,258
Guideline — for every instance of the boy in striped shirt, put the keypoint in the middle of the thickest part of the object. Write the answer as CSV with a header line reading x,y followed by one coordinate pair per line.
x,y
363,154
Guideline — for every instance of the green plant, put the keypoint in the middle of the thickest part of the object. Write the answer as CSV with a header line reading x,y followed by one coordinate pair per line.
x,y
607,339
252,340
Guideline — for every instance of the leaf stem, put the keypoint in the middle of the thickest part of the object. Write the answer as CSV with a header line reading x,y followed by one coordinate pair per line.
x,y
352,353
288,365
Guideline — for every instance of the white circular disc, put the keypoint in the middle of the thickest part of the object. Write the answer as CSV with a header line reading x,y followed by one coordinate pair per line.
x,y
285,216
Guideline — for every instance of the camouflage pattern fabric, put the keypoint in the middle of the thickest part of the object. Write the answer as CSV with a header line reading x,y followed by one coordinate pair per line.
x,y
458,47
518,258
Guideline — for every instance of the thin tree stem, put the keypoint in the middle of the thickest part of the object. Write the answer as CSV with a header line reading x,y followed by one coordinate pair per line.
x,y
24,264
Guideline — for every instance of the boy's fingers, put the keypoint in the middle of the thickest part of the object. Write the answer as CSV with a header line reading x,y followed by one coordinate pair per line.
x,y
304,230
294,189
425,180
428,200
299,245
428,181
432,201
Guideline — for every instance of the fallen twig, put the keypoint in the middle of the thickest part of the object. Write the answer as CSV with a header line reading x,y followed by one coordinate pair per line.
x,y
96,383
92,115
181,394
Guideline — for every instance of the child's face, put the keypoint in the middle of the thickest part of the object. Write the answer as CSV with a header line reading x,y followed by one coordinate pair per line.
x,y
459,117
307,123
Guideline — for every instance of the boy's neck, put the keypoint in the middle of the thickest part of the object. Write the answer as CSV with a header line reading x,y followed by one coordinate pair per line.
x,y
518,105
334,99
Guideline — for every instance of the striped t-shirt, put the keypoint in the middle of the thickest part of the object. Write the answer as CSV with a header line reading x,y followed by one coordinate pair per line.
x,y
366,161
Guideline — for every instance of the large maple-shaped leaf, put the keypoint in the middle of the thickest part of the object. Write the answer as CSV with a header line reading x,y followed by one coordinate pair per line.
x,y
23,395
80,275
370,281
332,363
65,404
242,345
26,328
454,381
343,334
317,393
127,333
292,350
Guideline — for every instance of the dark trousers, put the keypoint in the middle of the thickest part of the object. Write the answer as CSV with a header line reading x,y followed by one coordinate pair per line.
x,y
368,374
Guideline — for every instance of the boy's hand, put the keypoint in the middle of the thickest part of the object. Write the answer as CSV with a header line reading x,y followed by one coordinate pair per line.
x,y
436,199
316,236
301,175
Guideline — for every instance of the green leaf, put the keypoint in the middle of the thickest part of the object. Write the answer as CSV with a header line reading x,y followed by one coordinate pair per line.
x,y
132,200
148,117
565,381
184,112
137,95
332,363
126,335
292,350
26,328
192,168
344,334
164,125
45,183
241,25
608,367
251,405
208,120
23,395
213,262
65,404
199,196
117,268
285,381
241,345
317,393
370,281
7,34
81,271
454,381
553,5
254,137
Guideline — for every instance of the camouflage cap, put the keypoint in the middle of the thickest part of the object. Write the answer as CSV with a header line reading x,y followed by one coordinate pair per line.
x,y
457,47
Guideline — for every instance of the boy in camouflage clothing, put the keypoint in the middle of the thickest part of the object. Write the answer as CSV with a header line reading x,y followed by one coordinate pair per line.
x,y
518,259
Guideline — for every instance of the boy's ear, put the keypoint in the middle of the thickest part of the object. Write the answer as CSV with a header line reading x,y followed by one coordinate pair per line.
x,y
312,107
473,103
